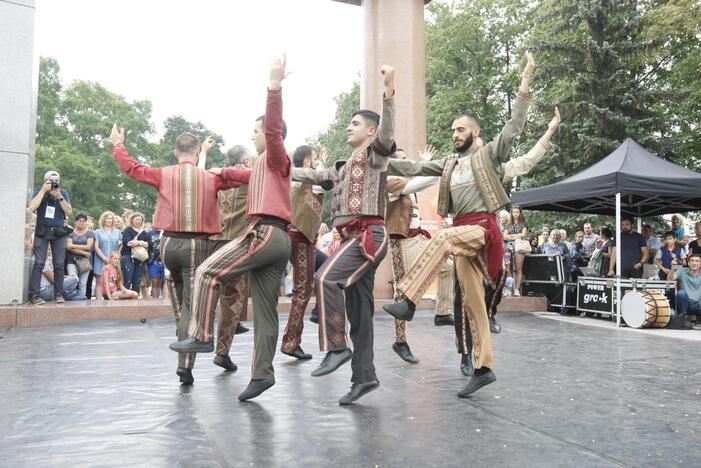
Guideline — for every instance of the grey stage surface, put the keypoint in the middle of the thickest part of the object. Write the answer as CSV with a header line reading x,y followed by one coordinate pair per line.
x,y
105,394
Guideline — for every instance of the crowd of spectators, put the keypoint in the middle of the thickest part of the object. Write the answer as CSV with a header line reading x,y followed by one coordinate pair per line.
x,y
74,261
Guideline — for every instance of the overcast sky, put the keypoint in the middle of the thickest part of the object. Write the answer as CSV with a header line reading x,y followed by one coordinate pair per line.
x,y
208,60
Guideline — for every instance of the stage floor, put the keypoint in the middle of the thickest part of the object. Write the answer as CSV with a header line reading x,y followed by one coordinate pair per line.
x,y
106,394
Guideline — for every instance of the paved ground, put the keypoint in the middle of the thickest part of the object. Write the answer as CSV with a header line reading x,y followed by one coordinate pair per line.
x,y
567,394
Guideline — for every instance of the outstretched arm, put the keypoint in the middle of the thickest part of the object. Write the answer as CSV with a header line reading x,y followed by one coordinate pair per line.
x,y
275,152
137,171
524,164
206,146
501,144
383,145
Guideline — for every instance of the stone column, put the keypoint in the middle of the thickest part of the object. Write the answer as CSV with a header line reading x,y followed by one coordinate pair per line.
x,y
393,32
18,95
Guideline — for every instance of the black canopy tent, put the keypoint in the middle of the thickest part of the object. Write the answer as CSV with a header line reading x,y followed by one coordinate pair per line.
x,y
630,180
648,186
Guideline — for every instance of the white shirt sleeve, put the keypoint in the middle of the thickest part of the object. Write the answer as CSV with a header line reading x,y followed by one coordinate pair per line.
x,y
524,164
419,184
202,161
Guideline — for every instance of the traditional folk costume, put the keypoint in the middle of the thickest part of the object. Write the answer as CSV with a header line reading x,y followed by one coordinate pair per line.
x,y
186,195
470,187
307,207
407,240
262,252
344,284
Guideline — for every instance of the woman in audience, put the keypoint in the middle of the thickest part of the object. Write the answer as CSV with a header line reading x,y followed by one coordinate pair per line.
x,y
683,237
516,230
107,240
534,241
113,281
79,246
135,245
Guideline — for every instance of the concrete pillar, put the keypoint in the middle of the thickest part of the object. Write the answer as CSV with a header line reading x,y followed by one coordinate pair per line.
x,y
393,32
18,95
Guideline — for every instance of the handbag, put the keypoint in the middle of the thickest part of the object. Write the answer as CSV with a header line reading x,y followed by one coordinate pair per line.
x,y
522,246
83,263
139,253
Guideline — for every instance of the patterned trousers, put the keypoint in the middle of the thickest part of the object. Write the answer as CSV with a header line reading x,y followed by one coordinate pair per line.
x,y
262,253
404,254
303,266
465,243
182,257
344,286
233,301
492,298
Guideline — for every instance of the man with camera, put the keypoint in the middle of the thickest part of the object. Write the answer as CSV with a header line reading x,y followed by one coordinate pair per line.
x,y
52,206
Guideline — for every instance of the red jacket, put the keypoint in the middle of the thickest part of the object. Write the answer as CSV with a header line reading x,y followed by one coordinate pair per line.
x,y
269,187
187,196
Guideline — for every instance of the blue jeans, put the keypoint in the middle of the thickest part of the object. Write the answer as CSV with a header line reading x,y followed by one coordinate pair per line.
x,y
72,269
70,284
687,307
58,251
132,271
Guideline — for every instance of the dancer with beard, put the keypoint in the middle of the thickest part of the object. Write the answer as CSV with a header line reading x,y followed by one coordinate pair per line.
x,y
470,187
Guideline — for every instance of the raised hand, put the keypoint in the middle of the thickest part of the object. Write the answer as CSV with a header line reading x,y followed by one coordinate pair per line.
x,y
208,144
387,72
529,71
428,153
117,136
277,71
323,154
555,122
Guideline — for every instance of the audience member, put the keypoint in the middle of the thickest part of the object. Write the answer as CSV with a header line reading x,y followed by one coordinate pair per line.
x,y
544,235
516,230
678,223
634,251
156,270
555,246
80,248
600,260
669,257
533,240
334,244
113,281
107,240
695,245
52,205
578,252
135,245
653,245
118,224
47,289
589,240
689,293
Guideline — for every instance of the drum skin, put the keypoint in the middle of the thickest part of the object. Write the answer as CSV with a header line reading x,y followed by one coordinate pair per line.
x,y
645,309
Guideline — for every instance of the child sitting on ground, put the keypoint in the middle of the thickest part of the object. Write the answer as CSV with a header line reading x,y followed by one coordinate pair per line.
x,y
113,281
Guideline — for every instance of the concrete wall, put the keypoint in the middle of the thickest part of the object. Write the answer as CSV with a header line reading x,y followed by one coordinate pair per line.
x,y
18,91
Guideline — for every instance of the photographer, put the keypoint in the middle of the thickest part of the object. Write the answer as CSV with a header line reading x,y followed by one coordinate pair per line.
x,y
52,205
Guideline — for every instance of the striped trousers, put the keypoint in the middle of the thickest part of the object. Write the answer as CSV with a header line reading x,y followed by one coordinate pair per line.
x,y
262,253
303,266
465,243
344,287
182,257
404,254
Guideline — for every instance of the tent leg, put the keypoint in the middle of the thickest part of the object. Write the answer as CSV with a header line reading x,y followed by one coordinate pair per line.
x,y
618,259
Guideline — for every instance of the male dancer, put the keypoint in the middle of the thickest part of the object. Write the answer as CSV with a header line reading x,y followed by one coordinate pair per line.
x,y
184,211
307,207
262,252
358,209
471,188
234,296
407,240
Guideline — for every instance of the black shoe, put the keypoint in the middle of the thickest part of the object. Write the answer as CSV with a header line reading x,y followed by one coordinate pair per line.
x,y
402,349
314,316
494,327
225,362
332,361
60,299
443,320
36,300
240,329
299,354
185,375
401,310
192,345
255,388
477,382
358,390
466,366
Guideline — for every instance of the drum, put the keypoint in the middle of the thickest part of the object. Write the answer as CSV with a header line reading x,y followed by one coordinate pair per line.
x,y
645,309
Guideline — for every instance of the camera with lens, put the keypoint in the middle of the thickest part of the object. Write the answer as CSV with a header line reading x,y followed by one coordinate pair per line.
x,y
54,184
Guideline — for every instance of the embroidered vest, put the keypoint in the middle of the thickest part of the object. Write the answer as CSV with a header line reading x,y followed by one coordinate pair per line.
x,y
307,208
488,181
